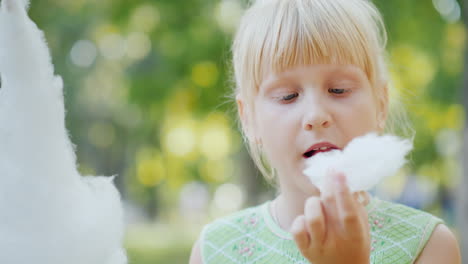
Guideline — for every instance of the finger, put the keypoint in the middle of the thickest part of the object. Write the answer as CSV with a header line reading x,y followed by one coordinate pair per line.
x,y
328,198
362,199
364,218
365,235
315,221
300,234
348,209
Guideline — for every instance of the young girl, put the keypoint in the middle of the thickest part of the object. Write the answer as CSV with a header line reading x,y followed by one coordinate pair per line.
x,y
311,75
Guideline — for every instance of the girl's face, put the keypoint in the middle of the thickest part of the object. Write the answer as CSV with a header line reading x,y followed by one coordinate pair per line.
x,y
300,108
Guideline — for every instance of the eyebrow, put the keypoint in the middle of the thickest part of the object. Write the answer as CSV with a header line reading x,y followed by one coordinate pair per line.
x,y
343,74
275,81
349,73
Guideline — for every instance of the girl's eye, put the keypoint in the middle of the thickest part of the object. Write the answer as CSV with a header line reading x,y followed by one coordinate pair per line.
x,y
337,90
289,97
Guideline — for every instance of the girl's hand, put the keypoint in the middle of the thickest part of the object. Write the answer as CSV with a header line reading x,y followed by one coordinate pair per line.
x,y
334,228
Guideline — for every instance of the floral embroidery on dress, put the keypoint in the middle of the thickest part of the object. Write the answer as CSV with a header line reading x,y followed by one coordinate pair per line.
x,y
249,221
246,248
376,224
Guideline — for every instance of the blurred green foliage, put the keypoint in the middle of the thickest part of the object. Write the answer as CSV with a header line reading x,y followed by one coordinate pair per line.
x,y
147,97
173,254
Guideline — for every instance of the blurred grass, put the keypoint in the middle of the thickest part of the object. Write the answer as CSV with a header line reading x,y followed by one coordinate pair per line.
x,y
174,254
160,243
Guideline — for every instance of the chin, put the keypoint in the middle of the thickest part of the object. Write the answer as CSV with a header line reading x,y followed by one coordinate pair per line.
x,y
307,187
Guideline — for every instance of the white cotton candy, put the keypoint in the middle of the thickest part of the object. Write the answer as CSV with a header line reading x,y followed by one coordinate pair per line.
x,y
365,161
49,213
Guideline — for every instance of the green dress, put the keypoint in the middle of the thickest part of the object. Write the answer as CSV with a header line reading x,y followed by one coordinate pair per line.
x,y
398,235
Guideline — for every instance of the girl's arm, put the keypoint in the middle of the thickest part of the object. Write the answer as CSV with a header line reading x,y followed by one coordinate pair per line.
x,y
195,257
442,248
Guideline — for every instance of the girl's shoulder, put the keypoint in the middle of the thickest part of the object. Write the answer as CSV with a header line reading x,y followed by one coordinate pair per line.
x,y
390,214
377,205
398,232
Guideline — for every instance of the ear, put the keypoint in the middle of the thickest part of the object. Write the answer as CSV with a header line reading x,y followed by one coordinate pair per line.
x,y
383,104
244,117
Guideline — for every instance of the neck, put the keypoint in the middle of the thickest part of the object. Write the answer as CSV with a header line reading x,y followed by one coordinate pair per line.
x,y
289,205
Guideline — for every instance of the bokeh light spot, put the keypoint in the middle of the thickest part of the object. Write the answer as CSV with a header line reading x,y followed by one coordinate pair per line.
x,y
415,68
448,143
180,140
215,142
216,171
139,45
205,74
151,170
229,197
194,199
228,14
83,53
112,46
145,18
449,9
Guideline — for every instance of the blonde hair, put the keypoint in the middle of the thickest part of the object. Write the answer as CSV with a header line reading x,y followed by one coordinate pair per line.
x,y
277,35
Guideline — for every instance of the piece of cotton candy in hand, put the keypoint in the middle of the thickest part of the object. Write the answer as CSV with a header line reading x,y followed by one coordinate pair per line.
x,y
365,161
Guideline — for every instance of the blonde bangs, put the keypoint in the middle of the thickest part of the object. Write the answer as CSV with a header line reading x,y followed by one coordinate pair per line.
x,y
287,36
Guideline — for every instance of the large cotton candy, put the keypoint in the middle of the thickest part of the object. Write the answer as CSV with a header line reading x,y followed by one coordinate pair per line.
x,y
49,213
365,161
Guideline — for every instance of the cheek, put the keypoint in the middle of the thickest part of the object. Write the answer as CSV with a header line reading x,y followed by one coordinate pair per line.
x,y
276,130
272,121
360,118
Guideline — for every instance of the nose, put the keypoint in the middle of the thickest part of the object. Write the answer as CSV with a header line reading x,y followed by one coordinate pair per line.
x,y
316,117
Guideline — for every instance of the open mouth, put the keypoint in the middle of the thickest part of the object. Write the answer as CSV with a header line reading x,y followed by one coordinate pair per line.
x,y
317,150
